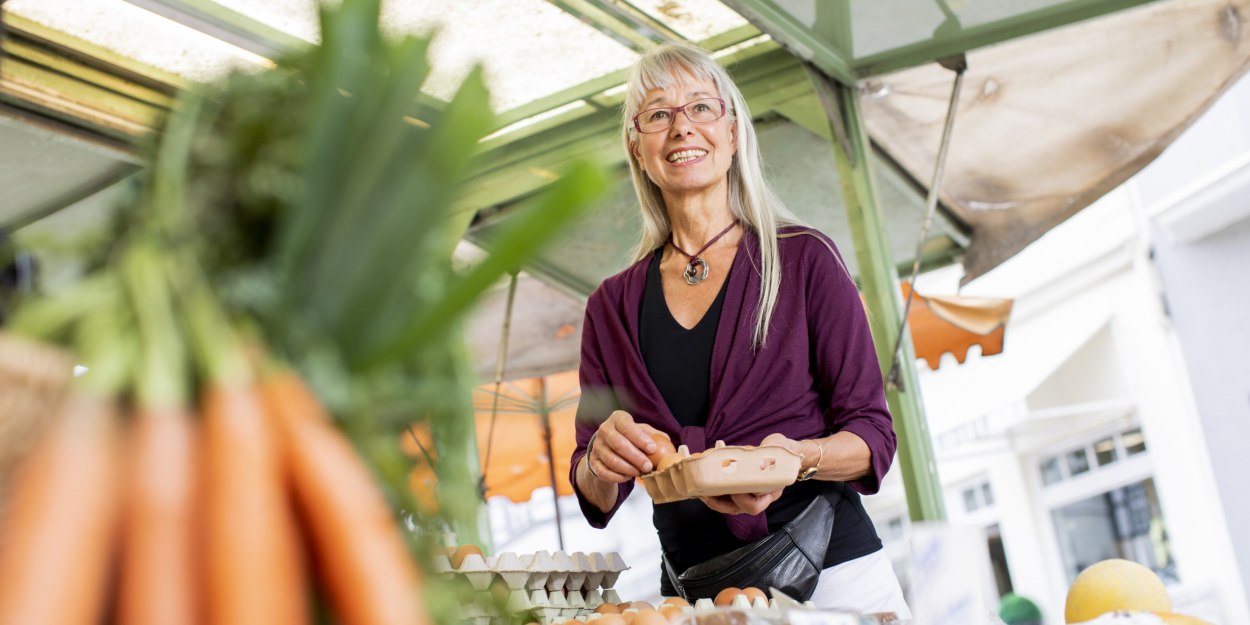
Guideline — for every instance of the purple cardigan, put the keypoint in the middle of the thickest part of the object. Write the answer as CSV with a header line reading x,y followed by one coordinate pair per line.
x,y
817,374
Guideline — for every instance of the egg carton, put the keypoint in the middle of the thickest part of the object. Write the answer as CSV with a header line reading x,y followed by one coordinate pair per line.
x,y
723,470
542,570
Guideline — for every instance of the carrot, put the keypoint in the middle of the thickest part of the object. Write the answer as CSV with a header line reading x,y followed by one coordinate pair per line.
x,y
58,539
158,576
369,576
254,573
158,584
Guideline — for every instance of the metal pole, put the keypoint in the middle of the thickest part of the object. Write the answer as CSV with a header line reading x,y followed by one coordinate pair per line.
x,y
935,187
879,283
544,415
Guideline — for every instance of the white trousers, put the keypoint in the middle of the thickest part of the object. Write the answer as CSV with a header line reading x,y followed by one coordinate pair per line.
x,y
866,585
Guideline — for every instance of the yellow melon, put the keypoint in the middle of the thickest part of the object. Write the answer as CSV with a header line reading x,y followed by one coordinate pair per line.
x,y
1115,585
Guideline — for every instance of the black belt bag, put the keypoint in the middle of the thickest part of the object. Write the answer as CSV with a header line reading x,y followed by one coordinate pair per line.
x,y
789,559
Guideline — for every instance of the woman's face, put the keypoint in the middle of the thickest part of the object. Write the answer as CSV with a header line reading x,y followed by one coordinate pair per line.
x,y
688,157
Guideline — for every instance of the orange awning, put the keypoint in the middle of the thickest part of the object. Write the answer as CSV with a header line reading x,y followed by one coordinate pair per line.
x,y
518,462
941,324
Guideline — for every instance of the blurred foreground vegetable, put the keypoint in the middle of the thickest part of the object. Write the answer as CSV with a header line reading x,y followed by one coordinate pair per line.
x,y
292,235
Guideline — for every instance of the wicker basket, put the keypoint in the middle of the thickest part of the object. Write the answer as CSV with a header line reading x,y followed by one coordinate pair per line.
x,y
33,379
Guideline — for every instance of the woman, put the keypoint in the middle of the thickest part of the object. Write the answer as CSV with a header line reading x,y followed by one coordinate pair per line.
x,y
734,324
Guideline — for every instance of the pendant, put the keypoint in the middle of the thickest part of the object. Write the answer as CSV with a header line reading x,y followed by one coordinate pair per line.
x,y
692,274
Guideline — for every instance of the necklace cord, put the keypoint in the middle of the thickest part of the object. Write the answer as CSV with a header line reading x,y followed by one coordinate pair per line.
x,y
694,258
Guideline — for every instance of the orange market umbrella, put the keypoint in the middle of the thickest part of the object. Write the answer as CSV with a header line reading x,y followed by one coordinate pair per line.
x,y
533,423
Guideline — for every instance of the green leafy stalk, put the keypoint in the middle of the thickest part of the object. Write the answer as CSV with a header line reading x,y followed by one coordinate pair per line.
x,y
524,235
215,345
338,68
162,374
105,340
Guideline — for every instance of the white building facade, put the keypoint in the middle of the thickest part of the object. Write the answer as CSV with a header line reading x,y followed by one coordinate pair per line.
x,y
1116,422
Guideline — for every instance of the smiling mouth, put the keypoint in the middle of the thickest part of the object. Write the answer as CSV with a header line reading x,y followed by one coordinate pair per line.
x,y
685,156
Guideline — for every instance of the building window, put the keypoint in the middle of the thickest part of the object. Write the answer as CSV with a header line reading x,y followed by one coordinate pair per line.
x,y
1134,442
970,499
978,496
1105,451
1074,462
1078,462
1123,523
1051,472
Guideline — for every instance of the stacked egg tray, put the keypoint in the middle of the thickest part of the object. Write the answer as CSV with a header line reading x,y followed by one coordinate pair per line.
x,y
555,586
723,470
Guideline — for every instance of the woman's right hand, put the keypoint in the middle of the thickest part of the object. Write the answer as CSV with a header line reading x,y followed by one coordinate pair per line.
x,y
620,450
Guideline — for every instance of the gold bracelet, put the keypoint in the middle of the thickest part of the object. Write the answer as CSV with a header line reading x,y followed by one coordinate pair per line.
x,y
810,472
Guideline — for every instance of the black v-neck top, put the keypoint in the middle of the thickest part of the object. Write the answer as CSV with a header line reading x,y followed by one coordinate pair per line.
x,y
680,363
679,360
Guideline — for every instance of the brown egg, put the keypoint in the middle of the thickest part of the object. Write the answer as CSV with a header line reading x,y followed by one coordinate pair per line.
x,y
457,556
676,601
754,593
499,590
641,606
667,461
609,619
649,617
608,608
663,447
673,613
726,596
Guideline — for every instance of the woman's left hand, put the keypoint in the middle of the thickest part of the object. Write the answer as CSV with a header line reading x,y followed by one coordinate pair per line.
x,y
746,503
802,448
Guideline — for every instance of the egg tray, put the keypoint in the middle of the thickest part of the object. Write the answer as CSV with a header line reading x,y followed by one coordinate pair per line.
x,y
723,470
542,570
553,608
548,606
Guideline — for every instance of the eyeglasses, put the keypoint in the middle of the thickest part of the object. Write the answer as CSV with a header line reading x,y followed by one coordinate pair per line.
x,y
701,111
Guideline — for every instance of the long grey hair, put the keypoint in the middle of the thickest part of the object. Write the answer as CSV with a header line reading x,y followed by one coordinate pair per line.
x,y
751,200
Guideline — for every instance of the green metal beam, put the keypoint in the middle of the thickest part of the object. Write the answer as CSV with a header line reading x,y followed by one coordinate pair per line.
x,y
643,23
45,74
20,29
64,79
963,40
593,90
524,162
799,39
879,284
225,24
607,22
763,61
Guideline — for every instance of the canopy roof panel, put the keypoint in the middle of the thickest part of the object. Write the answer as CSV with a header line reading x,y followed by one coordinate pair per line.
x,y
135,34
850,40
693,19
1049,123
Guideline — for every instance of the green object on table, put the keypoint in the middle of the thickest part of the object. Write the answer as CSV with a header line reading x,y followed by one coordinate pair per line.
x,y
1019,610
